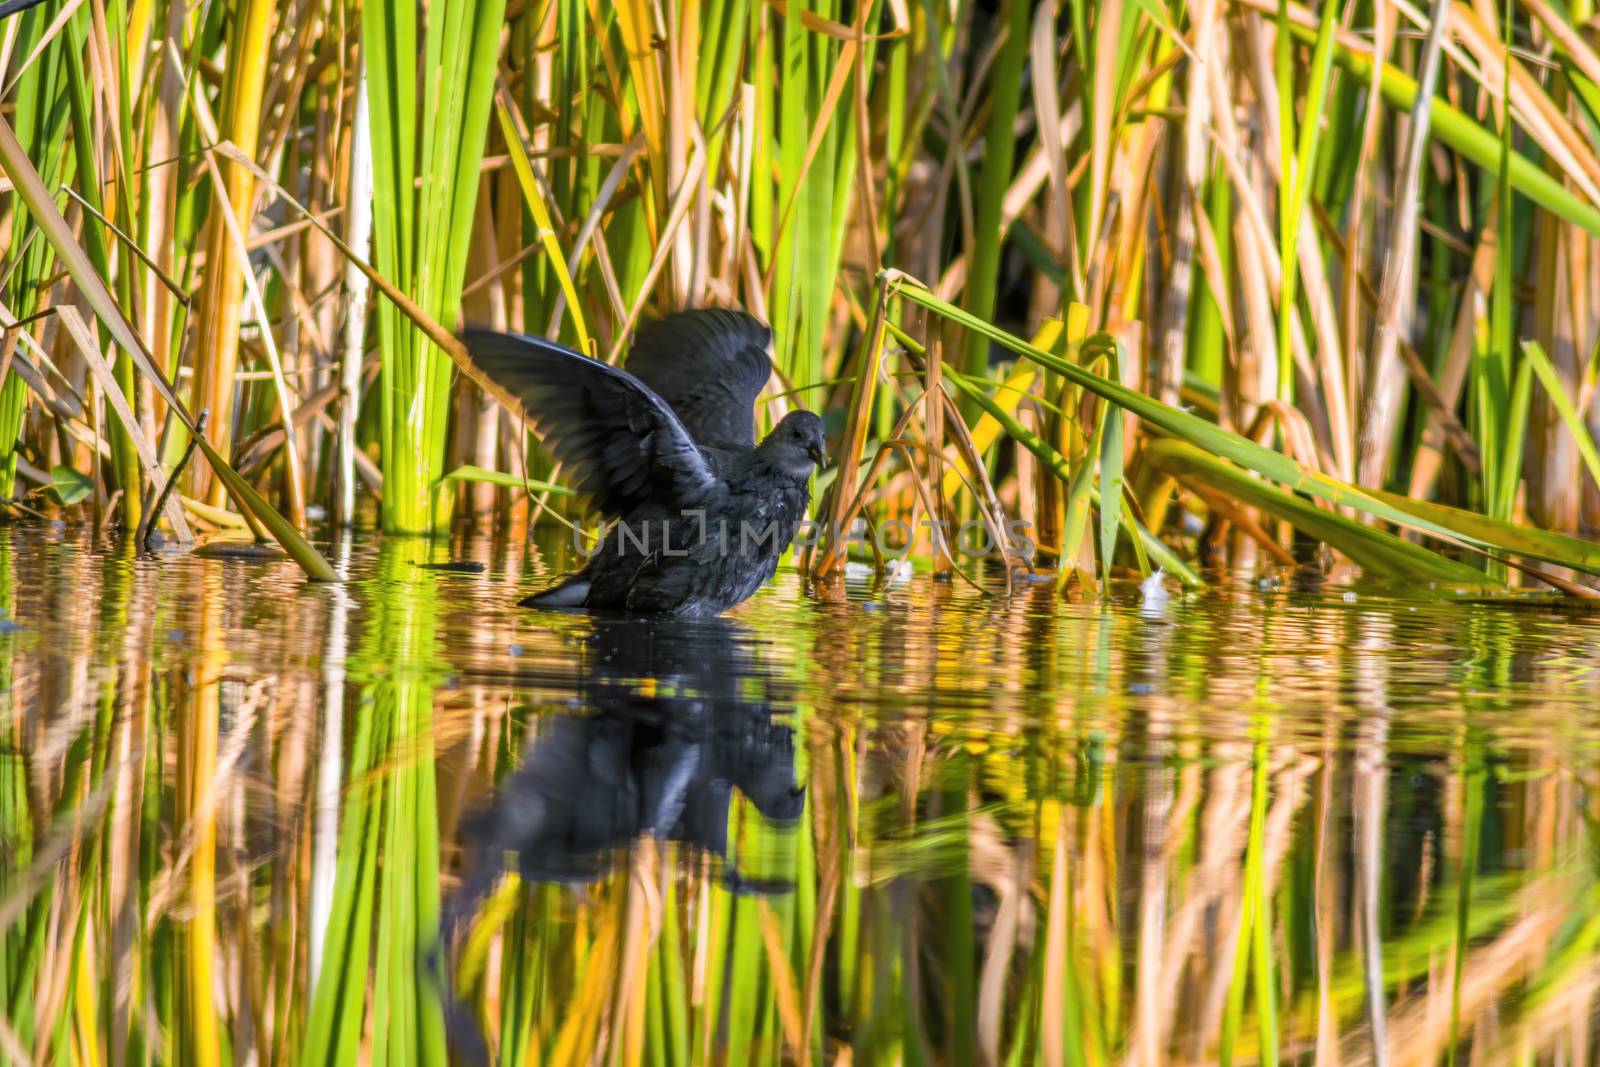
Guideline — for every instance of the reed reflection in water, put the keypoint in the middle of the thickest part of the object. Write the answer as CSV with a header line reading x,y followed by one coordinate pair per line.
x,y
911,825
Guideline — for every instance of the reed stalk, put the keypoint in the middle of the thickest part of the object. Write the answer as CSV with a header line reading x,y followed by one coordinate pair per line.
x,y
435,137
217,322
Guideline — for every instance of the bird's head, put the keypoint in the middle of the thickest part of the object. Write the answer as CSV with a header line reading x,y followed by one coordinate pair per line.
x,y
797,444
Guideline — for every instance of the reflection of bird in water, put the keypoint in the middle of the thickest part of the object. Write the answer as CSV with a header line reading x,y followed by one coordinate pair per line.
x,y
683,718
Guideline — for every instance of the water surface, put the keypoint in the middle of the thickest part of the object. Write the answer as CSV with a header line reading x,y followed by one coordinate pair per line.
x,y
1295,821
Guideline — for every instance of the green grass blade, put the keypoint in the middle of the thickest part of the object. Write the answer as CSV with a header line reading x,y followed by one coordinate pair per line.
x,y
1298,155
1549,547
1534,353
1111,471
469,473
418,232
1375,550
1208,436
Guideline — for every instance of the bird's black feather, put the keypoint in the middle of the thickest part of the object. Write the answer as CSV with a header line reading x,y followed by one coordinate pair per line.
x,y
709,364
619,442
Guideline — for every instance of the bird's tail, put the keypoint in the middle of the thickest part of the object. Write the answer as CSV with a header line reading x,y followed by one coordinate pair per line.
x,y
572,593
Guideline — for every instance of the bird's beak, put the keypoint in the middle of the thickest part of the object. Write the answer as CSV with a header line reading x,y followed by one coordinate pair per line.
x,y
816,455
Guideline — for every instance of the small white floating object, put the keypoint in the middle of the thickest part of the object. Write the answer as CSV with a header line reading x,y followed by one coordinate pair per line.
x,y
895,571
857,572
1153,595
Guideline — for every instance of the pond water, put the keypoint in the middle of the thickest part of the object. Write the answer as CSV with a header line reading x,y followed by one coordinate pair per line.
x,y
920,823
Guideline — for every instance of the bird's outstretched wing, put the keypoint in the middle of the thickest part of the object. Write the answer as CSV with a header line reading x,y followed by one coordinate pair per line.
x,y
617,441
710,365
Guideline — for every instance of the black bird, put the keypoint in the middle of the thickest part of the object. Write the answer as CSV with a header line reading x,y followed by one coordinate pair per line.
x,y
667,448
